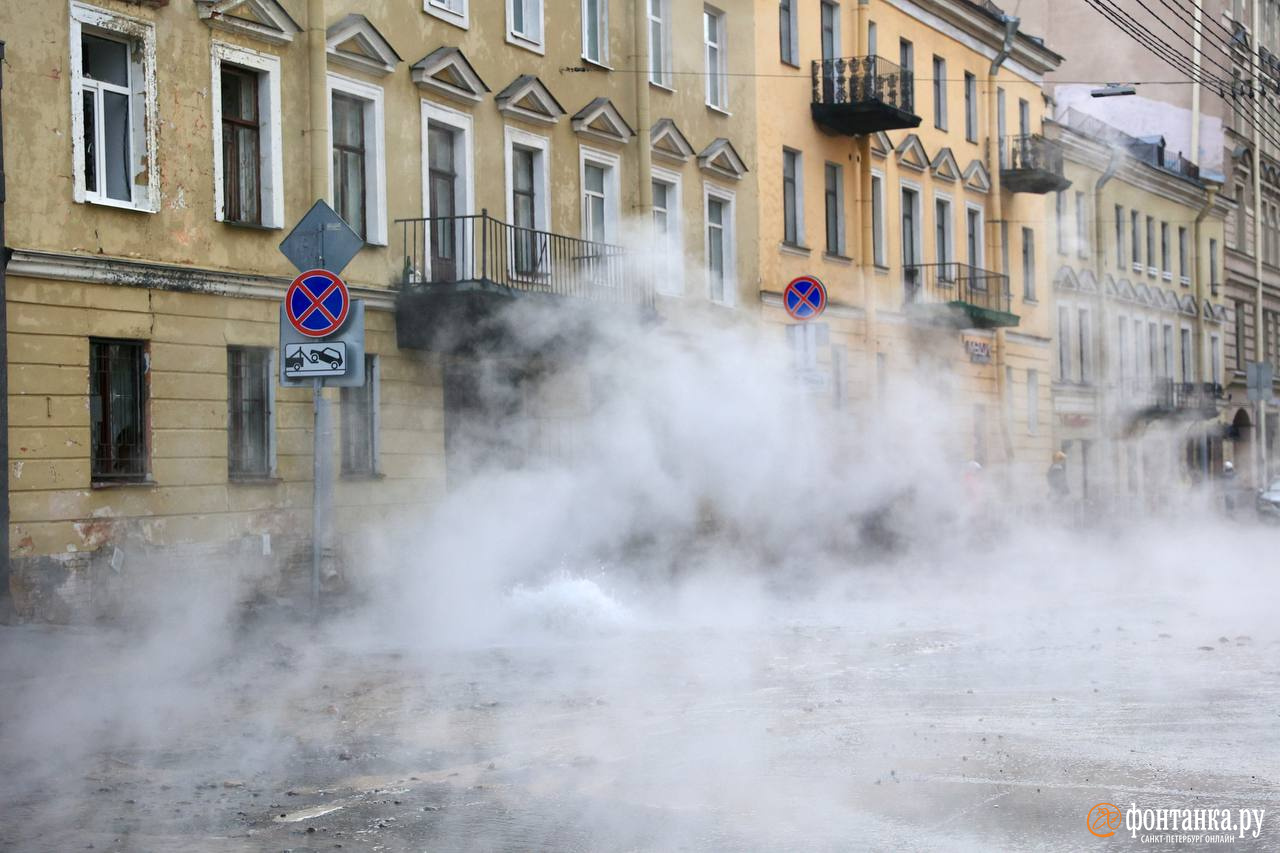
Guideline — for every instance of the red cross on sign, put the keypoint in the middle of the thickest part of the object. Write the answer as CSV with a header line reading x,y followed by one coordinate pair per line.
x,y
317,303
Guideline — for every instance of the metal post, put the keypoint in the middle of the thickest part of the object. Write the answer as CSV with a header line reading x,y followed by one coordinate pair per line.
x,y
4,366
484,244
317,399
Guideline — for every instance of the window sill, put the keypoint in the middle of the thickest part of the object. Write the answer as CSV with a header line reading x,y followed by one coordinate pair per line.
x,y
596,64
447,15
1027,301
882,269
526,43
253,480
1153,272
362,477
720,110
1168,276
654,84
118,205
147,483
837,258
249,226
789,63
794,249
1184,281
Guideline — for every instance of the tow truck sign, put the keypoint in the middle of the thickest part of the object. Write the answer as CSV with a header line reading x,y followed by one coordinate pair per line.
x,y
324,358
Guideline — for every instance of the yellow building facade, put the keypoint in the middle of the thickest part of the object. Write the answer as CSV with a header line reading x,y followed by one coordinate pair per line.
x,y
1140,321
160,152
900,160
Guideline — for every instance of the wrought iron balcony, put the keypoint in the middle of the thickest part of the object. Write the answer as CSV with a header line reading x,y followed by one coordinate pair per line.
x,y
1031,164
863,94
461,272
957,295
1165,398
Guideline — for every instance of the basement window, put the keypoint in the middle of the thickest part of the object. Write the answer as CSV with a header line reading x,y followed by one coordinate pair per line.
x,y
113,114
118,411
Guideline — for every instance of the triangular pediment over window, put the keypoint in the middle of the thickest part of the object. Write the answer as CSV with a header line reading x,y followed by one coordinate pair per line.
x,y
720,158
911,154
601,119
1066,279
447,71
1088,282
265,20
977,178
526,97
881,144
356,43
669,143
945,167
1109,286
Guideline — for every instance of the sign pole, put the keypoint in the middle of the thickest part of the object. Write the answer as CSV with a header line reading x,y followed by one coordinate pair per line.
x,y
317,503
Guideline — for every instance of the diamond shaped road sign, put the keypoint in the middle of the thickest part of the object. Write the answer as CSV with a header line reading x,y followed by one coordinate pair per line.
x,y
321,241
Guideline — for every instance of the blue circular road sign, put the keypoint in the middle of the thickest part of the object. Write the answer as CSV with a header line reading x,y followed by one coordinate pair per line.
x,y
805,298
317,303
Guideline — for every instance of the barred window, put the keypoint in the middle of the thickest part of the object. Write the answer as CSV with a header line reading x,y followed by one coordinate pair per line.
x,y
248,412
118,410
360,423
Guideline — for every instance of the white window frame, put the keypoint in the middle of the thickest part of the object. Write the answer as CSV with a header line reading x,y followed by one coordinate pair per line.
x,y
612,166
939,92
270,135
671,274
1186,360
949,226
1082,226
971,124
1166,252
980,262
514,137
1184,255
878,210
375,163
841,244
456,12
461,124
716,73
730,240
602,29
142,124
799,180
1085,342
918,218
661,51
536,40
792,55
837,41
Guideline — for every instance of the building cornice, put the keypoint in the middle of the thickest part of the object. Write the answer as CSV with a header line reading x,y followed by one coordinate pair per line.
x,y
1029,59
123,272
1088,152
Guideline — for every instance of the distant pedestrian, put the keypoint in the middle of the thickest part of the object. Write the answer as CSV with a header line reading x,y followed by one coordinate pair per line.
x,y
1059,490
1229,487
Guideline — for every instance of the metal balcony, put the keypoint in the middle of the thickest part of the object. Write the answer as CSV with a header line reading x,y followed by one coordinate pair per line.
x,y
461,274
1164,398
863,94
957,295
1031,164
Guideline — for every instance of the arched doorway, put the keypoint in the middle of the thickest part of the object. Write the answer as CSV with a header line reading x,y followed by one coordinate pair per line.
x,y
1242,444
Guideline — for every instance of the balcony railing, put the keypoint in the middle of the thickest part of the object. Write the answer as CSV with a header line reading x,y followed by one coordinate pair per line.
x,y
1168,397
478,252
863,94
945,284
1031,164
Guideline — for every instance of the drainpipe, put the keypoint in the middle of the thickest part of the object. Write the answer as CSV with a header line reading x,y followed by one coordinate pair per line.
x,y
994,247
319,92
1195,87
1211,196
1260,471
639,40
4,364
1105,431
867,224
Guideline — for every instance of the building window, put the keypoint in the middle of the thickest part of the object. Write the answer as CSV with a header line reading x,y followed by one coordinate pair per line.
x,y
1213,266
907,56
249,161
1033,402
1153,348
792,202
453,11
1028,265
524,23
1122,345
360,424
113,109
1064,343
1002,127
358,177
942,235
600,192
1082,227
970,107
528,201
720,246
1151,246
789,49
595,31
449,189
1184,256
249,416
1135,243
1166,259
830,35
973,234
939,93
1168,352
660,42
877,220
1024,117
1241,220
1060,215
872,39
834,208
713,31
1241,357
803,340
1086,347
911,228
1215,354
118,410
1120,261
1188,375
667,226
